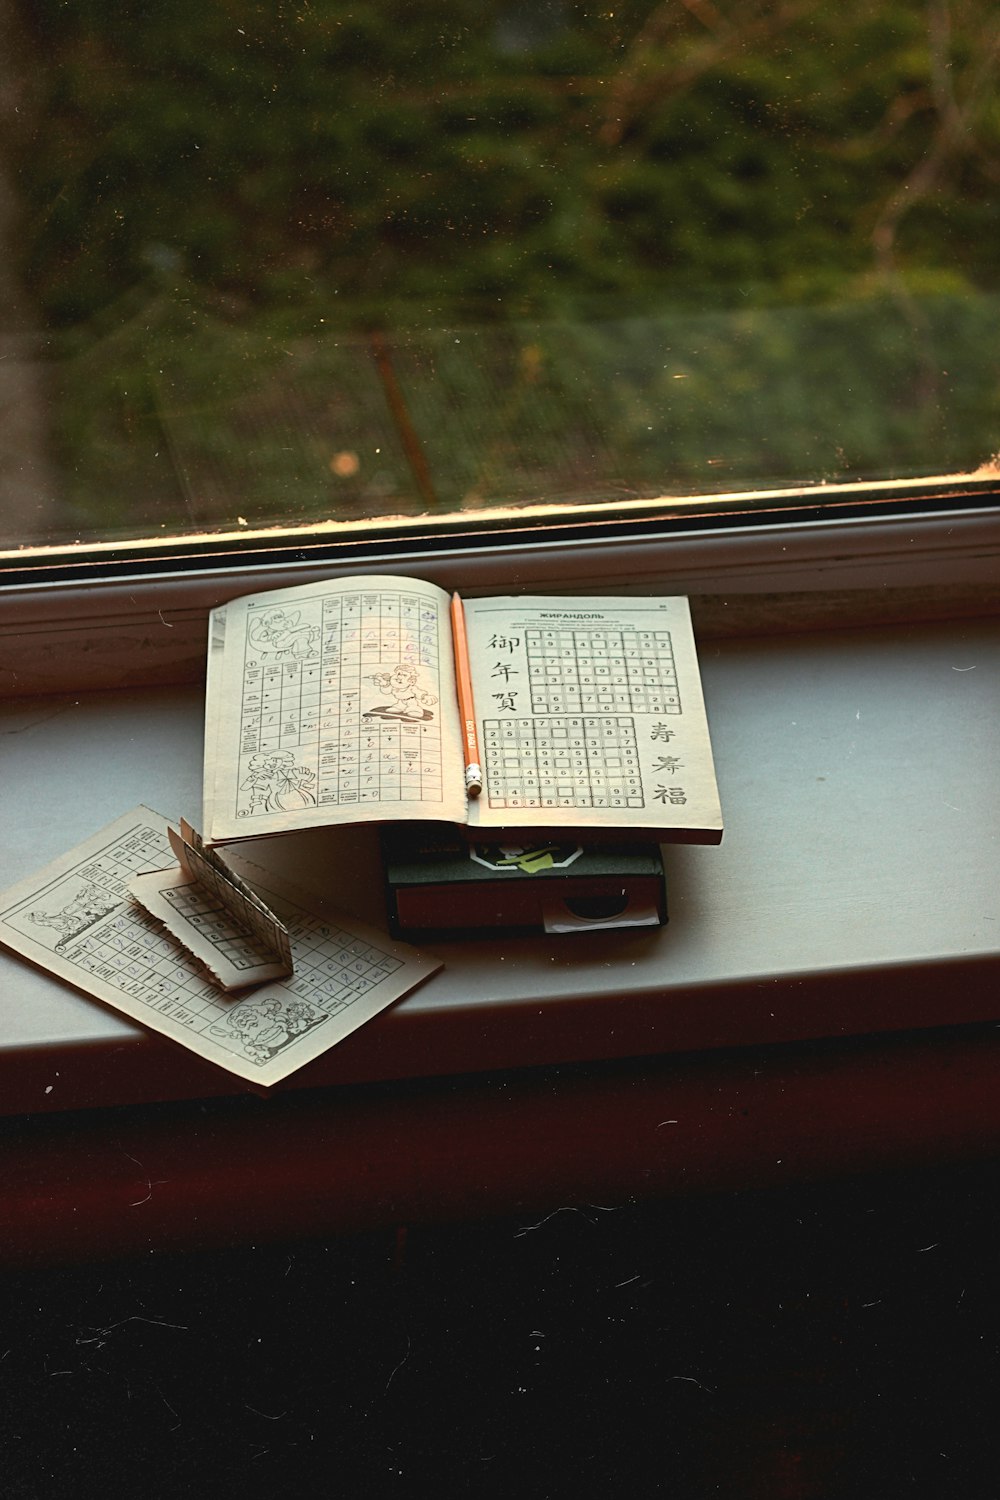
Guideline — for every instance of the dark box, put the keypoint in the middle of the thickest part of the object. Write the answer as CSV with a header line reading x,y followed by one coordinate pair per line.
x,y
437,882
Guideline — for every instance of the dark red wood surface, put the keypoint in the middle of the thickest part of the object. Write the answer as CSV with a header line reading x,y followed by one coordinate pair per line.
x,y
229,1172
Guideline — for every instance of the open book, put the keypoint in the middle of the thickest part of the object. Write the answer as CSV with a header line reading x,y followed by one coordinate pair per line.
x,y
336,703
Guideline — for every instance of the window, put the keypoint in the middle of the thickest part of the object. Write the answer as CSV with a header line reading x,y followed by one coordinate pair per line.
x,y
693,297
333,276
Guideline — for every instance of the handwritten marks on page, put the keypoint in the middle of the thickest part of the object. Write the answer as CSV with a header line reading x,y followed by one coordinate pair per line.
x,y
79,920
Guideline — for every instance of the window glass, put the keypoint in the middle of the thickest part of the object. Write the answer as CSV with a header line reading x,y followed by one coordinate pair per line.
x,y
321,261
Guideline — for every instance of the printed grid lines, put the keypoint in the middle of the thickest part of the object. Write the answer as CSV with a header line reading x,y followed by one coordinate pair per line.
x,y
585,761
210,918
604,670
332,968
306,734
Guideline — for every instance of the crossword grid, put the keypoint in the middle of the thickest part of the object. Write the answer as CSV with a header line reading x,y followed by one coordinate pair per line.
x,y
264,932
602,671
135,954
564,762
127,948
94,933
141,851
132,951
334,981
84,896
310,711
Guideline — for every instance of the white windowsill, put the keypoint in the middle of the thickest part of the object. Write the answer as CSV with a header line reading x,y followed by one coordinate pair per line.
x,y
855,889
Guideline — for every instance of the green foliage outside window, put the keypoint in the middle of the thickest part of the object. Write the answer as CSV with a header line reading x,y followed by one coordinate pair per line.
x,y
651,246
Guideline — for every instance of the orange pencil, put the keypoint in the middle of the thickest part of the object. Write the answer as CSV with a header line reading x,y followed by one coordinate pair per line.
x,y
466,704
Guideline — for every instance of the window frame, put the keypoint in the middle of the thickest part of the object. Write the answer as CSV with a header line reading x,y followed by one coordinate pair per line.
x,y
105,622
493,526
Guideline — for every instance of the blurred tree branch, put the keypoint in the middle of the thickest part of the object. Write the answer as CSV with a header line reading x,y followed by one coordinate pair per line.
x,y
954,133
651,71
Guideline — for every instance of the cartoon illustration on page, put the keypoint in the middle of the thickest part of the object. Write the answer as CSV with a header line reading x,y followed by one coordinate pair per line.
x,y
262,1028
88,906
278,635
409,701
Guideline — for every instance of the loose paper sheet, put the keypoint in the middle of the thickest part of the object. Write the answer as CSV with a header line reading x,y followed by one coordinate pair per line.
x,y
77,919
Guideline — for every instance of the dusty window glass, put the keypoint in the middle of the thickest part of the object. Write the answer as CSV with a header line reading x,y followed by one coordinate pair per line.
x,y
330,262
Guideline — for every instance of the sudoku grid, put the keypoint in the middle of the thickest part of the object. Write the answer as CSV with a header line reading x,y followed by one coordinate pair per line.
x,y
264,930
210,918
309,710
572,761
601,671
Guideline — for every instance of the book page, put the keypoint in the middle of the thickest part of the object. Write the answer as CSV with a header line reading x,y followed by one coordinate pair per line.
x,y
590,715
332,703
77,920
213,701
